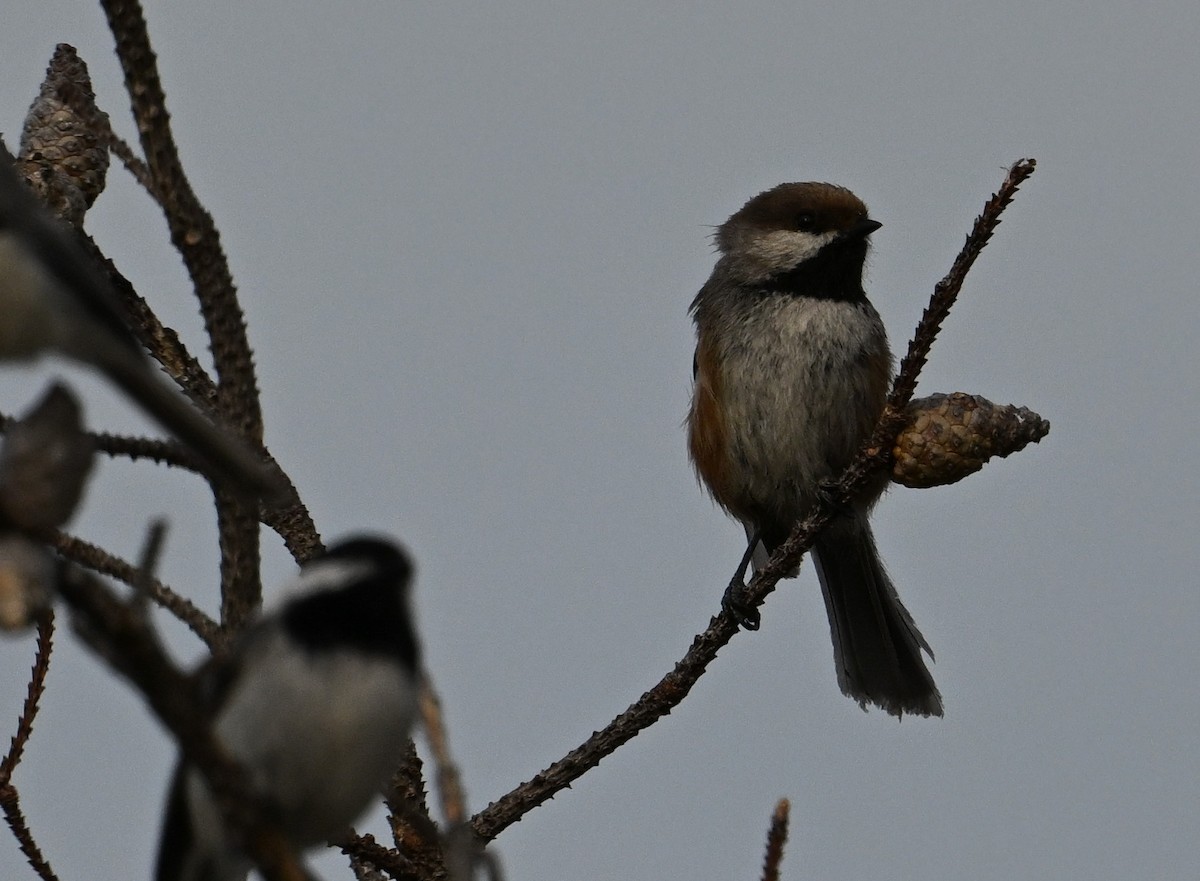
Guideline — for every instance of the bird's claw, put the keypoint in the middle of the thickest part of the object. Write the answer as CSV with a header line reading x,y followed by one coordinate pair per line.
x,y
828,494
734,603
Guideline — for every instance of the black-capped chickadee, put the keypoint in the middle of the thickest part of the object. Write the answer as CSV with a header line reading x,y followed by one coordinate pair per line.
x,y
54,297
315,700
792,370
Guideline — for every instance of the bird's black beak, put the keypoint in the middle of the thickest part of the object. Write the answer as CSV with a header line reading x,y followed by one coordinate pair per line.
x,y
862,229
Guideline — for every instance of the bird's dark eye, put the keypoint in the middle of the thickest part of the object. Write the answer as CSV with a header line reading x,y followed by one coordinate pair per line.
x,y
806,221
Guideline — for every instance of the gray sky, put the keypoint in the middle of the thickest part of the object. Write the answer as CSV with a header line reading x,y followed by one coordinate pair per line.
x,y
466,237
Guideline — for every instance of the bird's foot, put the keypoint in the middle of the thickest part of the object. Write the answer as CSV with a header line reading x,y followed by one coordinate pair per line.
x,y
830,497
735,604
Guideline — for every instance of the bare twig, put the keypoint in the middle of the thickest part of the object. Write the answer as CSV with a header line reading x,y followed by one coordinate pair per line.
x,y
99,560
674,687
162,342
196,238
644,712
156,535
776,839
461,850
292,522
163,451
447,779
133,163
10,803
364,848
9,797
945,293
193,232
413,831
33,695
295,526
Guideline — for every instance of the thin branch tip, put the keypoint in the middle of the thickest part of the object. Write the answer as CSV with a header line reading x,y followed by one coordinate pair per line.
x,y
777,835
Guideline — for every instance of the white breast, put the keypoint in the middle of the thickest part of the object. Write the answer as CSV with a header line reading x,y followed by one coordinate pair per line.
x,y
798,392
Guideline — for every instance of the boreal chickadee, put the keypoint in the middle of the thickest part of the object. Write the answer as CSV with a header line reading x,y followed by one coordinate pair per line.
x,y
315,700
54,297
791,373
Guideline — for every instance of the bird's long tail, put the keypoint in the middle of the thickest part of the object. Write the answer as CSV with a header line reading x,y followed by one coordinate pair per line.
x,y
876,646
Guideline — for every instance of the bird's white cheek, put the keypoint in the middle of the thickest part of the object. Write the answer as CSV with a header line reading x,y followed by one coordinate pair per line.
x,y
782,250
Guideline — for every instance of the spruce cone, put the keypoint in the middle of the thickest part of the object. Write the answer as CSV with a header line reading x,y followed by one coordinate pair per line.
x,y
64,144
950,436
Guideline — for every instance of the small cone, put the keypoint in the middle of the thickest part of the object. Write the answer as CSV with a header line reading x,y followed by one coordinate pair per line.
x,y
64,150
951,436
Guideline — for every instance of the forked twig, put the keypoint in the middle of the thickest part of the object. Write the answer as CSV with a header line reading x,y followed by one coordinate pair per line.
x,y
133,163
366,849
99,560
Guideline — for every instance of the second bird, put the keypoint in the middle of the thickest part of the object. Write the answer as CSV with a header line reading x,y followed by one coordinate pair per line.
x,y
792,370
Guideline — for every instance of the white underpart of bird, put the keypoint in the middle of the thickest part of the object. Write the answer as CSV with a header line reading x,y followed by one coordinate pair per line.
x,y
316,701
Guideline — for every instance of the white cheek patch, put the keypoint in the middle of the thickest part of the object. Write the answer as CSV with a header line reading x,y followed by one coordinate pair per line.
x,y
320,575
783,249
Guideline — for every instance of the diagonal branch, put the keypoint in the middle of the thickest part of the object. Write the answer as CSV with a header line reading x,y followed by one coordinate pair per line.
x,y
292,522
447,780
133,163
10,801
37,685
674,687
945,293
99,560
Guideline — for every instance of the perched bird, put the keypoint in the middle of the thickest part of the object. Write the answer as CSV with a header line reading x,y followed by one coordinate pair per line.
x,y
315,700
54,298
791,372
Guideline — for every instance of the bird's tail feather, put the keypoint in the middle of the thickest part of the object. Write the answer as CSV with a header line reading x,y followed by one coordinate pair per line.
x,y
876,645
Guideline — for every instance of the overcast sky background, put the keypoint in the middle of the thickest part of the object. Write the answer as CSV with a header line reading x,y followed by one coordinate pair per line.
x,y
466,237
